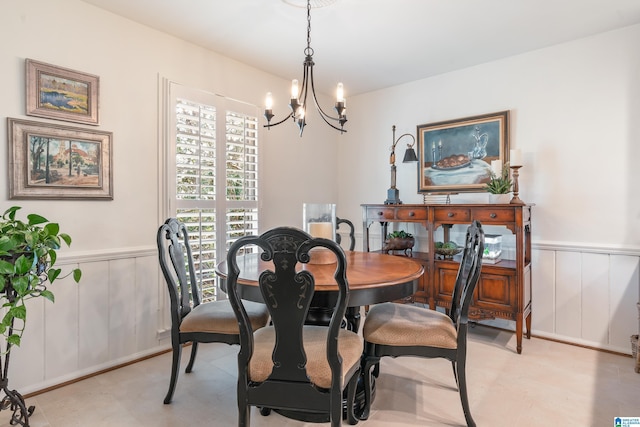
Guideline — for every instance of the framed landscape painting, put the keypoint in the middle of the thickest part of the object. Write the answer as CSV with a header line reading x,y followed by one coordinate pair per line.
x,y
49,161
455,155
59,93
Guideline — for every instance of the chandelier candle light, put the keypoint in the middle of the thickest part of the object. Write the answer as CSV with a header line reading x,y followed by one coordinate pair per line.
x,y
299,94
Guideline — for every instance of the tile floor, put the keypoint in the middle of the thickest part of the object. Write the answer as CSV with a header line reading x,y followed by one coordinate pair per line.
x,y
549,384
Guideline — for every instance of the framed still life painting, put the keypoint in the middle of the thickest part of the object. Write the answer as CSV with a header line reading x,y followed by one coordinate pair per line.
x,y
455,155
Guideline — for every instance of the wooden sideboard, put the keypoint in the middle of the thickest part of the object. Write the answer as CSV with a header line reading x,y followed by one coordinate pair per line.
x,y
504,290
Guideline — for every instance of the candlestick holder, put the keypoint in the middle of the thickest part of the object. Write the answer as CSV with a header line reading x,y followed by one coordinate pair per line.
x,y
515,200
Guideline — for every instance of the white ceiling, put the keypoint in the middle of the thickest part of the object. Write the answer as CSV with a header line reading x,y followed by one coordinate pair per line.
x,y
372,44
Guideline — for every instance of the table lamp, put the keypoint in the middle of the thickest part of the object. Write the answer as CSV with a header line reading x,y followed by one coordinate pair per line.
x,y
393,194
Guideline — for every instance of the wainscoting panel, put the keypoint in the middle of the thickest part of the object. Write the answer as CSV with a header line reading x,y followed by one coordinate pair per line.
x,y
594,295
93,314
568,309
27,362
61,329
624,277
586,295
111,317
122,308
543,298
149,307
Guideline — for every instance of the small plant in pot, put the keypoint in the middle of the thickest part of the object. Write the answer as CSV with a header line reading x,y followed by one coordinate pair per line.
x,y
500,184
27,259
399,241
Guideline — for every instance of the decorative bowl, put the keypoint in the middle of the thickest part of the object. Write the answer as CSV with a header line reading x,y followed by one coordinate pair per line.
x,y
448,252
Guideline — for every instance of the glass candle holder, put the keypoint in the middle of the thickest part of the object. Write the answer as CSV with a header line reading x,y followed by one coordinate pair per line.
x,y
319,220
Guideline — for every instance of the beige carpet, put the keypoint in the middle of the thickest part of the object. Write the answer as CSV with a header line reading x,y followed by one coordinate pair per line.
x,y
549,384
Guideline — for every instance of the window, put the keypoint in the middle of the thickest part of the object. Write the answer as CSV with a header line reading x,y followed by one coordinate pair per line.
x,y
212,174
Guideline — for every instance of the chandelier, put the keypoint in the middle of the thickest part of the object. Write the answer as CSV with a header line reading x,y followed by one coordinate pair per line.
x,y
299,94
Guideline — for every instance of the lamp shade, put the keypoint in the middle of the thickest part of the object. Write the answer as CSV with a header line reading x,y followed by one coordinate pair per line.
x,y
410,156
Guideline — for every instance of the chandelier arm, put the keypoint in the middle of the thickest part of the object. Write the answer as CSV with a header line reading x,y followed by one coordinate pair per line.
x,y
317,104
333,126
305,83
268,125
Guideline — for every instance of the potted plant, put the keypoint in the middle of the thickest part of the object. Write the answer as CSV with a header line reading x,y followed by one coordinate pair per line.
x,y
399,241
500,185
27,259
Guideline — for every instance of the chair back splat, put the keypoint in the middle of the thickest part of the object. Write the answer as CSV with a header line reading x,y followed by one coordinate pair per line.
x,y
191,320
289,366
407,330
467,278
352,232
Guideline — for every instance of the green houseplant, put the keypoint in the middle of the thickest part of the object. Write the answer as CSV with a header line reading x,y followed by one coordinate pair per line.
x,y
500,184
399,241
27,259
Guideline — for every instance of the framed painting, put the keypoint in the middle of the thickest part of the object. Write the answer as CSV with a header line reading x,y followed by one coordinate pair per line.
x,y
59,93
48,161
455,155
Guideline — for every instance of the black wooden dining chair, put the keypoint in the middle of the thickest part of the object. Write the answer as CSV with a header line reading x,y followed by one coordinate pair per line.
x,y
192,321
289,366
406,330
352,232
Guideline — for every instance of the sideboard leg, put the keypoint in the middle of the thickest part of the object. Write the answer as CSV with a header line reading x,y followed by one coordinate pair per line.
x,y
519,334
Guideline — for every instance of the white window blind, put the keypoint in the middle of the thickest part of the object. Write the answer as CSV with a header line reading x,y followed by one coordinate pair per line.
x,y
213,175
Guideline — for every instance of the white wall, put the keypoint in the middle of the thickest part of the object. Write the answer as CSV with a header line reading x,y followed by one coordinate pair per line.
x,y
114,315
574,114
573,109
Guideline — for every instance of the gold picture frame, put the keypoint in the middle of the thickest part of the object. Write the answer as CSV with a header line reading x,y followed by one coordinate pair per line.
x,y
50,161
455,156
59,93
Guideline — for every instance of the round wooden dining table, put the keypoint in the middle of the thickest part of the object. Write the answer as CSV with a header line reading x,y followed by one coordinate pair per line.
x,y
372,277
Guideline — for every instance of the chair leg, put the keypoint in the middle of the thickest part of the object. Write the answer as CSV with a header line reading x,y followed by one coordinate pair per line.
x,y
367,363
192,359
175,365
462,388
376,370
351,397
244,413
335,411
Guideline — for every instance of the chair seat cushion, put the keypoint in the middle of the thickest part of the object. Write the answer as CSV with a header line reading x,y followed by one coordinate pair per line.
x,y
350,347
409,325
218,317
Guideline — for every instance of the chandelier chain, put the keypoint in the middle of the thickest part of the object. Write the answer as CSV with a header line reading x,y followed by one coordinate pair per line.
x,y
309,51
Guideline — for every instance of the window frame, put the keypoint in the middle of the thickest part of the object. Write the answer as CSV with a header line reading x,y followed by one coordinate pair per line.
x,y
168,202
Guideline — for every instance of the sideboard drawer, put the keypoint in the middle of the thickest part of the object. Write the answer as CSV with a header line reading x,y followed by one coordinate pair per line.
x,y
452,214
380,214
411,214
500,215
